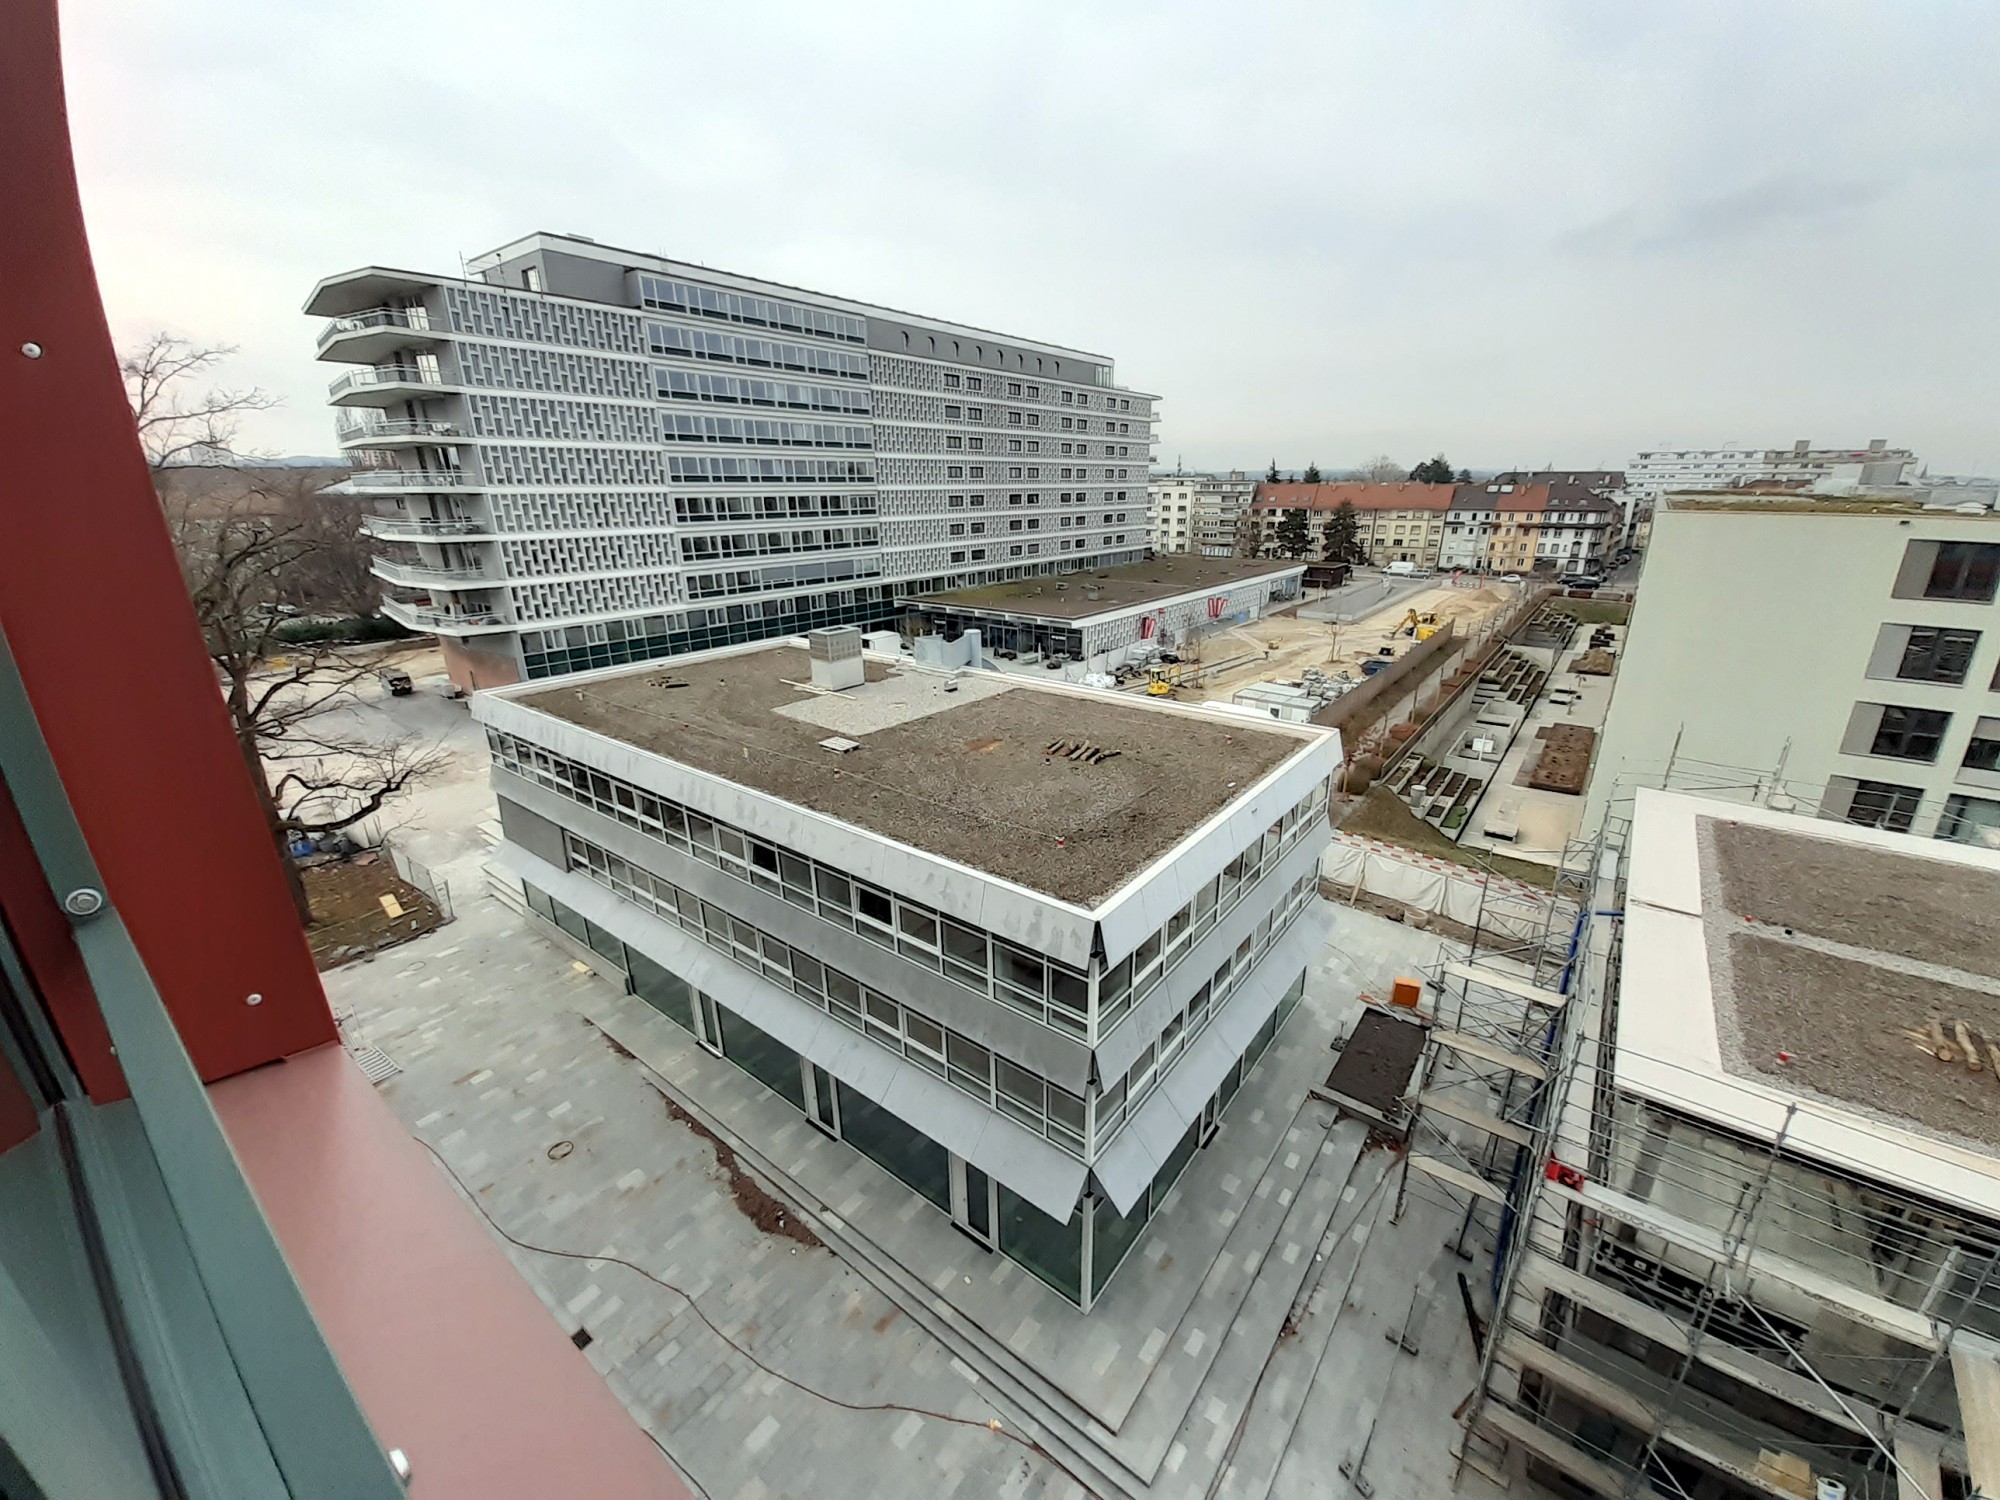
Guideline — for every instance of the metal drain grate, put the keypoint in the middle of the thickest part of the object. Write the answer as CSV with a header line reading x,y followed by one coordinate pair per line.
x,y
377,1066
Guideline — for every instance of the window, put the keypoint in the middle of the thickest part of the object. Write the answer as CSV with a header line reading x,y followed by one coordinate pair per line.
x,y
951,382
1909,733
1970,820
1983,752
1883,804
974,383
1968,571
1937,655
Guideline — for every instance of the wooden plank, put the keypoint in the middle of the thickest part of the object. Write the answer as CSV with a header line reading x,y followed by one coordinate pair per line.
x,y
1921,1477
1491,1052
1448,1104
1551,1448
1662,1328
1457,1177
1509,983
1975,1367
1606,1395
390,904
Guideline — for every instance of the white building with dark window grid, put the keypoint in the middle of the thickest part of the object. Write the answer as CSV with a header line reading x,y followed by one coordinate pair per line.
x,y
917,905
584,456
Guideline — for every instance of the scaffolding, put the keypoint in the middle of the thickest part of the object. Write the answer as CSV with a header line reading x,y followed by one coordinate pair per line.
x,y
1692,1310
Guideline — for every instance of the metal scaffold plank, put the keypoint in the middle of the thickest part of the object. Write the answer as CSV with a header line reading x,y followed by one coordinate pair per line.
x,y
1453,1107
1920,1475
1457,1177
1605,1394
1490,1052
1975,1367
1509,983
1552,1449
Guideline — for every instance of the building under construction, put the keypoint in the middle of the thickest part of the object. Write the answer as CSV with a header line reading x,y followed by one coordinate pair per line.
x,y
1734,1135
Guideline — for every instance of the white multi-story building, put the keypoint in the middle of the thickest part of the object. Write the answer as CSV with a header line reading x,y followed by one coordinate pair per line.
x,y
951,945
1845,660
587,456
1657,471
1197,512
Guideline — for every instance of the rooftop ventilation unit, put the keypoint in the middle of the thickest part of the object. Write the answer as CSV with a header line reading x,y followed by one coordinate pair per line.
x,y
836,658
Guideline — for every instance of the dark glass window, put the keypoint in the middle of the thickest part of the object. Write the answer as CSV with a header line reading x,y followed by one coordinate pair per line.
x,y
1937,655
763,1057
1909,733
1983,753
1965,570
1053,1251
1883,804
667,993
905,1154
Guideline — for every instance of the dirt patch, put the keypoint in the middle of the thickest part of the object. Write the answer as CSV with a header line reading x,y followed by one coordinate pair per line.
x,y
1374,1067
1564,764
1843,1025
1934,911
769,1214
349,920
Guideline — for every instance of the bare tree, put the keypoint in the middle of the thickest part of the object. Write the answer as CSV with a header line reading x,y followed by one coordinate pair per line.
x,y
1381,469
247,547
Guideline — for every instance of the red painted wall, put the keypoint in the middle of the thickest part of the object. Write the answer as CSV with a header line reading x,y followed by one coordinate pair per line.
x,y
93,606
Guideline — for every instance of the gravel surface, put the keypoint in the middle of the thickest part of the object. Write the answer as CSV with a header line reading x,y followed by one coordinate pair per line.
x,y
968,780
1937,911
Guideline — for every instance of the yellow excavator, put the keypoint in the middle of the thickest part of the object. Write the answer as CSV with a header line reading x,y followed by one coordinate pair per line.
x,y
1420,626
1161,684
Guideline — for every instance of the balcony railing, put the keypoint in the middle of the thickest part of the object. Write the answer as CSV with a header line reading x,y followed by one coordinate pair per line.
x,y
403,479
418,529
429,617
362,433
369,375
415,319
416,575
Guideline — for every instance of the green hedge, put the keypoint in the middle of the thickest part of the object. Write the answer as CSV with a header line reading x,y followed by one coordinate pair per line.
x,y
360,628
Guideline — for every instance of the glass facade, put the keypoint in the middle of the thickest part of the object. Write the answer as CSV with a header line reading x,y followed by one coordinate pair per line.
x,y
1053,1251
1094,1241
764,1058
905,1154
666,992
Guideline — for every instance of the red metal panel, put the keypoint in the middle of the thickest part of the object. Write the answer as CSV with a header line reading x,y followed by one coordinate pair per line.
x,y
93,606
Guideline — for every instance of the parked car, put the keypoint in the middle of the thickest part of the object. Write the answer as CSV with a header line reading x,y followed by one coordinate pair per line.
x,y
1582,581
1510,577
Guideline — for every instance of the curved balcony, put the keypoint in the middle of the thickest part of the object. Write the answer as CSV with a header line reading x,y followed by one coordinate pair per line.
x,y
417,576
397,434
399,481
443,621
419,529
385,385
368,336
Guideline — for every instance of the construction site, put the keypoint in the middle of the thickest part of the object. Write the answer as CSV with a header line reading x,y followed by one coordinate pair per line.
x,y
1291,665
1729,1137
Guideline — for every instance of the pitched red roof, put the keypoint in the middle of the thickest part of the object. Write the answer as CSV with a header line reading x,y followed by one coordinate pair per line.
x,y
1403,495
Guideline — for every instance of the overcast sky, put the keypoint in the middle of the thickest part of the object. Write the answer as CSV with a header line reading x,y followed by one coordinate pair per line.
x,y
1522,233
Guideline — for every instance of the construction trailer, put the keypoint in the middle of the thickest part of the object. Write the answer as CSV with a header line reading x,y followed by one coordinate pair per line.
x,y
1741,1157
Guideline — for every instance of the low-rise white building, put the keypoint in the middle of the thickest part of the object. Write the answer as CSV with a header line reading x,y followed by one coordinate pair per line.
x,y
1835,655
1017,943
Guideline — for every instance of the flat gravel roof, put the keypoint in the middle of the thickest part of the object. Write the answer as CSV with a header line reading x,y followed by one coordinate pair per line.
x,y
965,774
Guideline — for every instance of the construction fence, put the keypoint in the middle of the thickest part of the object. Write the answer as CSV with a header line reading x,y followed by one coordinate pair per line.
x,y
1492,903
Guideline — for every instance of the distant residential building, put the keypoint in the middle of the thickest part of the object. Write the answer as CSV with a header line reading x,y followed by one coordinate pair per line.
x,y
1839,658
583,456
1399,522
1657,471
1603,484
1193,511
